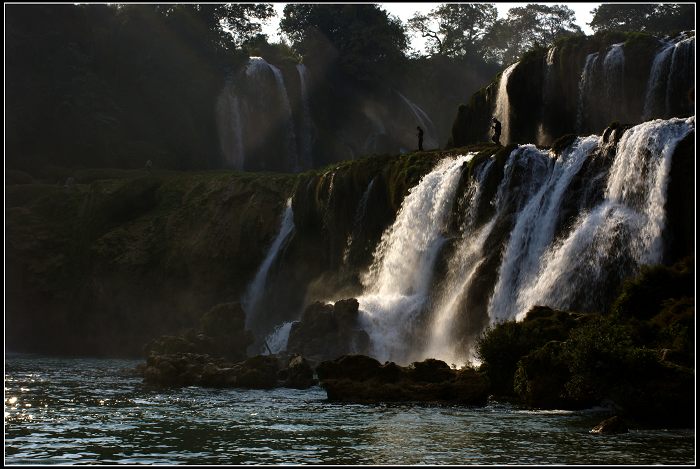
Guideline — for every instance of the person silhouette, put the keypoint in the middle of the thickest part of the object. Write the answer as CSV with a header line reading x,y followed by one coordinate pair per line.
x,y
496,131
420,138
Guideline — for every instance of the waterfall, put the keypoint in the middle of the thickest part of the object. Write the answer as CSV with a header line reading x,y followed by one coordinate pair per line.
x,y
397,286
228,113
535,225
306,135
542,137
623,232
585,88
290,136
357,220
255,290
681,76
277,340
658,82
424,121
462,267
502,111
613,75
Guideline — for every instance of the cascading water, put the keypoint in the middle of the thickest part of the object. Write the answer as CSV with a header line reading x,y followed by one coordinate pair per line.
x,y
535,225
681,77
291,143
397,286
502,111
461,270
547,84
585,87
357,219
306,135
255,290
614,74
621,233
655,96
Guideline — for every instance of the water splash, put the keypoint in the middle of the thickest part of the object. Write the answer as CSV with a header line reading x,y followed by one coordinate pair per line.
x,y
397,286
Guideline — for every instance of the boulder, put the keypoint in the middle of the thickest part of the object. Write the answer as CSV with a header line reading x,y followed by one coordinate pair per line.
x,y
299,374
327,331
362,379
610,426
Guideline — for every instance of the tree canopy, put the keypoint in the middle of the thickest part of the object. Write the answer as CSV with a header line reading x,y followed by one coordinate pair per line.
x,y
658,18
455,29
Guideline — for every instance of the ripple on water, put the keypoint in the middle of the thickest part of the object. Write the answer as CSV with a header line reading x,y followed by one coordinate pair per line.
x,y
88,411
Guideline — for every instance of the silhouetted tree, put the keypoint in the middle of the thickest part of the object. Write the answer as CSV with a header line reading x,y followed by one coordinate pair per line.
x,y
664,18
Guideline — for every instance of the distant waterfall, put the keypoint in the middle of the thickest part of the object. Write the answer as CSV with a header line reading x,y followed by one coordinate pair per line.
x,y
622,232
542,137
255,290
658,82
681,77
306,126
398,283
502,110
357,219
614,75
424,121
586,86
291,142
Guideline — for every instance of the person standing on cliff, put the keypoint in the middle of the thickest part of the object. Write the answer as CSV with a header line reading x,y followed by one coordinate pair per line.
x,y
420,138
496,131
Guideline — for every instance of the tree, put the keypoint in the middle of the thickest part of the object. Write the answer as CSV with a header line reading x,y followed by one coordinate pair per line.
x,y
525,28
455,30
652,18
364,40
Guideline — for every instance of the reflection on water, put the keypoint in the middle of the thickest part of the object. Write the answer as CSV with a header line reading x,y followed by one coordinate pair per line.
x,y
93,411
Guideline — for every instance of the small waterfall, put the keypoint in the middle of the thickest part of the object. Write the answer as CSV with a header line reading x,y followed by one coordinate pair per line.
x,y
277,340
543,138
430,137
623,232
614,75
585,89
502,111
681,76
397,286
306,136
228,112
357,220
658,82
290,136
255,290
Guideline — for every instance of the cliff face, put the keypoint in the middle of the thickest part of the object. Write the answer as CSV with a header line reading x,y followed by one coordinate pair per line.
x,y
107,263
582,84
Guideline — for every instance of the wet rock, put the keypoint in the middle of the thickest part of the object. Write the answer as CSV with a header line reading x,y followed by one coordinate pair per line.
x,y
362,379
610,426
299,374
328,331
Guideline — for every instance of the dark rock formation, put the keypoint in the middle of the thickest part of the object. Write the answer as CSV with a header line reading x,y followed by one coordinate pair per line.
x,y
358,378
611,425
328,331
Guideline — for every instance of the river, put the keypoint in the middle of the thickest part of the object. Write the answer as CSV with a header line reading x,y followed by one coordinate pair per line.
x,y
86,410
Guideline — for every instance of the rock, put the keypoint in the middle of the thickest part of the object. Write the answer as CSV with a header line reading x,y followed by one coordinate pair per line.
x,y
610,426
362,379
327,331
299,374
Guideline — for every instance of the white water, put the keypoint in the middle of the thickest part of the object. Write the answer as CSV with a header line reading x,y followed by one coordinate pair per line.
x,y
397,286
535,225
277,340
468,257
502,111
622,232
255,290
306,136
658,81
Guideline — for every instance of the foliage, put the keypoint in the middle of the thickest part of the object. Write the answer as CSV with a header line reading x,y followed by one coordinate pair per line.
x,y
527,27
362,39
649,17
459,31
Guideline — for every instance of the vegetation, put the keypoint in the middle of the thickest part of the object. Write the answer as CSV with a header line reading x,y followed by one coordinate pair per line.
x,y
654,18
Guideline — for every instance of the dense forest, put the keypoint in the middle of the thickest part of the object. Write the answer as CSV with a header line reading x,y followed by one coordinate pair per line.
x,y
117,85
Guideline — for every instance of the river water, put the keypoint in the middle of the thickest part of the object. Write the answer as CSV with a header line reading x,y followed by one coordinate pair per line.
x,y
65,411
